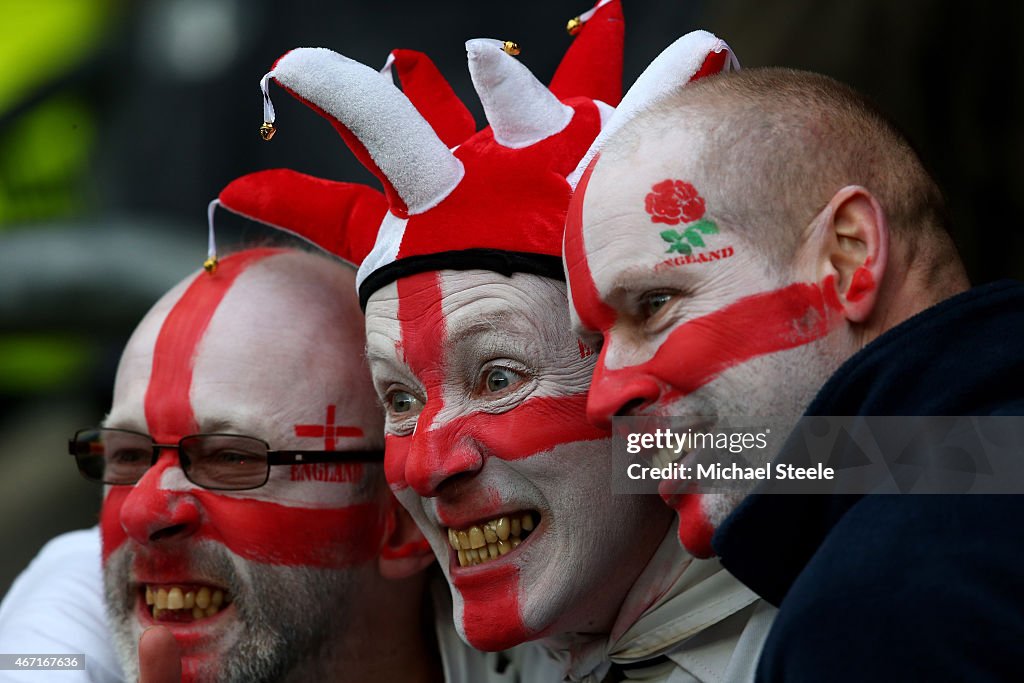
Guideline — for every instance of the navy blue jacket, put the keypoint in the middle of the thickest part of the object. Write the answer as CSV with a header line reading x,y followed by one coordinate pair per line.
x,y
889,587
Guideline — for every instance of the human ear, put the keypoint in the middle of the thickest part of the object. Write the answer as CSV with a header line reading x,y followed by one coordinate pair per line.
x,y
405,551
855,250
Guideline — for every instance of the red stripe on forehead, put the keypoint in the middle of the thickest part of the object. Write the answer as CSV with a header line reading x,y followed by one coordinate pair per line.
x,y
592,311
168,408
423,337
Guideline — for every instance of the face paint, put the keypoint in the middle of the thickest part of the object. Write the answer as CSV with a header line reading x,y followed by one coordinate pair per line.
x,y
861,283
216,369
726,335
592,311
673,202
327,431
784,319
521,454
168,406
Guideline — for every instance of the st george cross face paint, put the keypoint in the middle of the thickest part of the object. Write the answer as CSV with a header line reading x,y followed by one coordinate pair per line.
x,y
489,448
695,320
255,349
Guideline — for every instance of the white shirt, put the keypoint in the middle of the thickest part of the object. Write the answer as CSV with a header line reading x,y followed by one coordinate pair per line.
x,y
56,607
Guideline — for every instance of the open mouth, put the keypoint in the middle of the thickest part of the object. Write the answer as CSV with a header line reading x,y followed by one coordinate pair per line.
x,y
184,602
492,539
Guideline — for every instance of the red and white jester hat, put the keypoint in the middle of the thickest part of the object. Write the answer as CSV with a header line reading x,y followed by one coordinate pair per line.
x,y
495,199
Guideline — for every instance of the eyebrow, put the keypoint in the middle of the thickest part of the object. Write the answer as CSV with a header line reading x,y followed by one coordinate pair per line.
x,y
642,276
220,425
496,323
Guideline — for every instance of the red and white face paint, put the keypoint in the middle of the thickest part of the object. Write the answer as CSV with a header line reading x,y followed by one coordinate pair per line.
x,y
255,349
489,448
694,319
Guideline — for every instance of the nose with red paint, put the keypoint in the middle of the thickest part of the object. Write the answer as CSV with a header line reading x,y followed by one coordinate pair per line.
x,y
152,515
437,458
613,393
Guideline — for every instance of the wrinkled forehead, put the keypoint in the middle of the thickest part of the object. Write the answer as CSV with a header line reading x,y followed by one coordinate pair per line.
x,y
256,354
449,304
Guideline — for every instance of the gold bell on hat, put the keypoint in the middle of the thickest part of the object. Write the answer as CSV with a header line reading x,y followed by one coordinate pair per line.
x,y
210,264
574,26
511,47
267,130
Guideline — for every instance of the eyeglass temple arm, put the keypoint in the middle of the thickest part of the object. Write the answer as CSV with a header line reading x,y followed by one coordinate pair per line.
x,y
303,457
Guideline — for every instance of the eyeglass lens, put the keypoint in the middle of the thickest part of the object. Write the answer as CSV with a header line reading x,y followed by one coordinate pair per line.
x,y
217,461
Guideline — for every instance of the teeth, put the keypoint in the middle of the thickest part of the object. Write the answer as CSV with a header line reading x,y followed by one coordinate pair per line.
x,y
664,458
487,541
175,599
204,602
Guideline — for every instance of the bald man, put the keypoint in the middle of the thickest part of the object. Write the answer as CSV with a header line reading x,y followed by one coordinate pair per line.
x,y
301,569
765,243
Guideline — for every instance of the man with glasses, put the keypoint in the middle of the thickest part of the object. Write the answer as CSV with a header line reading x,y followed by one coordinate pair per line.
x,y
245,509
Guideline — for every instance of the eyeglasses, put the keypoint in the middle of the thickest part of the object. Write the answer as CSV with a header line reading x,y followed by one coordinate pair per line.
x,y
224,462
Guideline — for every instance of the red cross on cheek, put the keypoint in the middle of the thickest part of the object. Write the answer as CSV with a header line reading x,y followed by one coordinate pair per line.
x,y
327,431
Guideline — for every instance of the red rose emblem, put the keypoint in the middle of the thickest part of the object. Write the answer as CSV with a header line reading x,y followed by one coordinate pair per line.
x,y
674,202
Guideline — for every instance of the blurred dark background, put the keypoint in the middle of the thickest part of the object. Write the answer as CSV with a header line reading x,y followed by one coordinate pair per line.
x,y
120,120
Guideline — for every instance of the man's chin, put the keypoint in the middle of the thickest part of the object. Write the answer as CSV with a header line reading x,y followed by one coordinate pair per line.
x,y
699,515
204,642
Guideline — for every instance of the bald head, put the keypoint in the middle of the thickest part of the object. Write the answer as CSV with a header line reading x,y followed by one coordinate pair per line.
x,y
269,347
771,147
280,330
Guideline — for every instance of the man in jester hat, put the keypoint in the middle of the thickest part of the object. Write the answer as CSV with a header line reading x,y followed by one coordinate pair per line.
x,y
485,388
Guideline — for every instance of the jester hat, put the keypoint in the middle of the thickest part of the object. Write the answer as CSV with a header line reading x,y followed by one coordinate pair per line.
x,y
494,199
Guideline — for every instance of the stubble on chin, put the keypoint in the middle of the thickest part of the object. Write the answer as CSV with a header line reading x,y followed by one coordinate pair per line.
x,y
288,618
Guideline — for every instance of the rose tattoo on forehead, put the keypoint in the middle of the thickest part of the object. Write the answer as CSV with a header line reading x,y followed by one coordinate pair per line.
x,y
677,202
